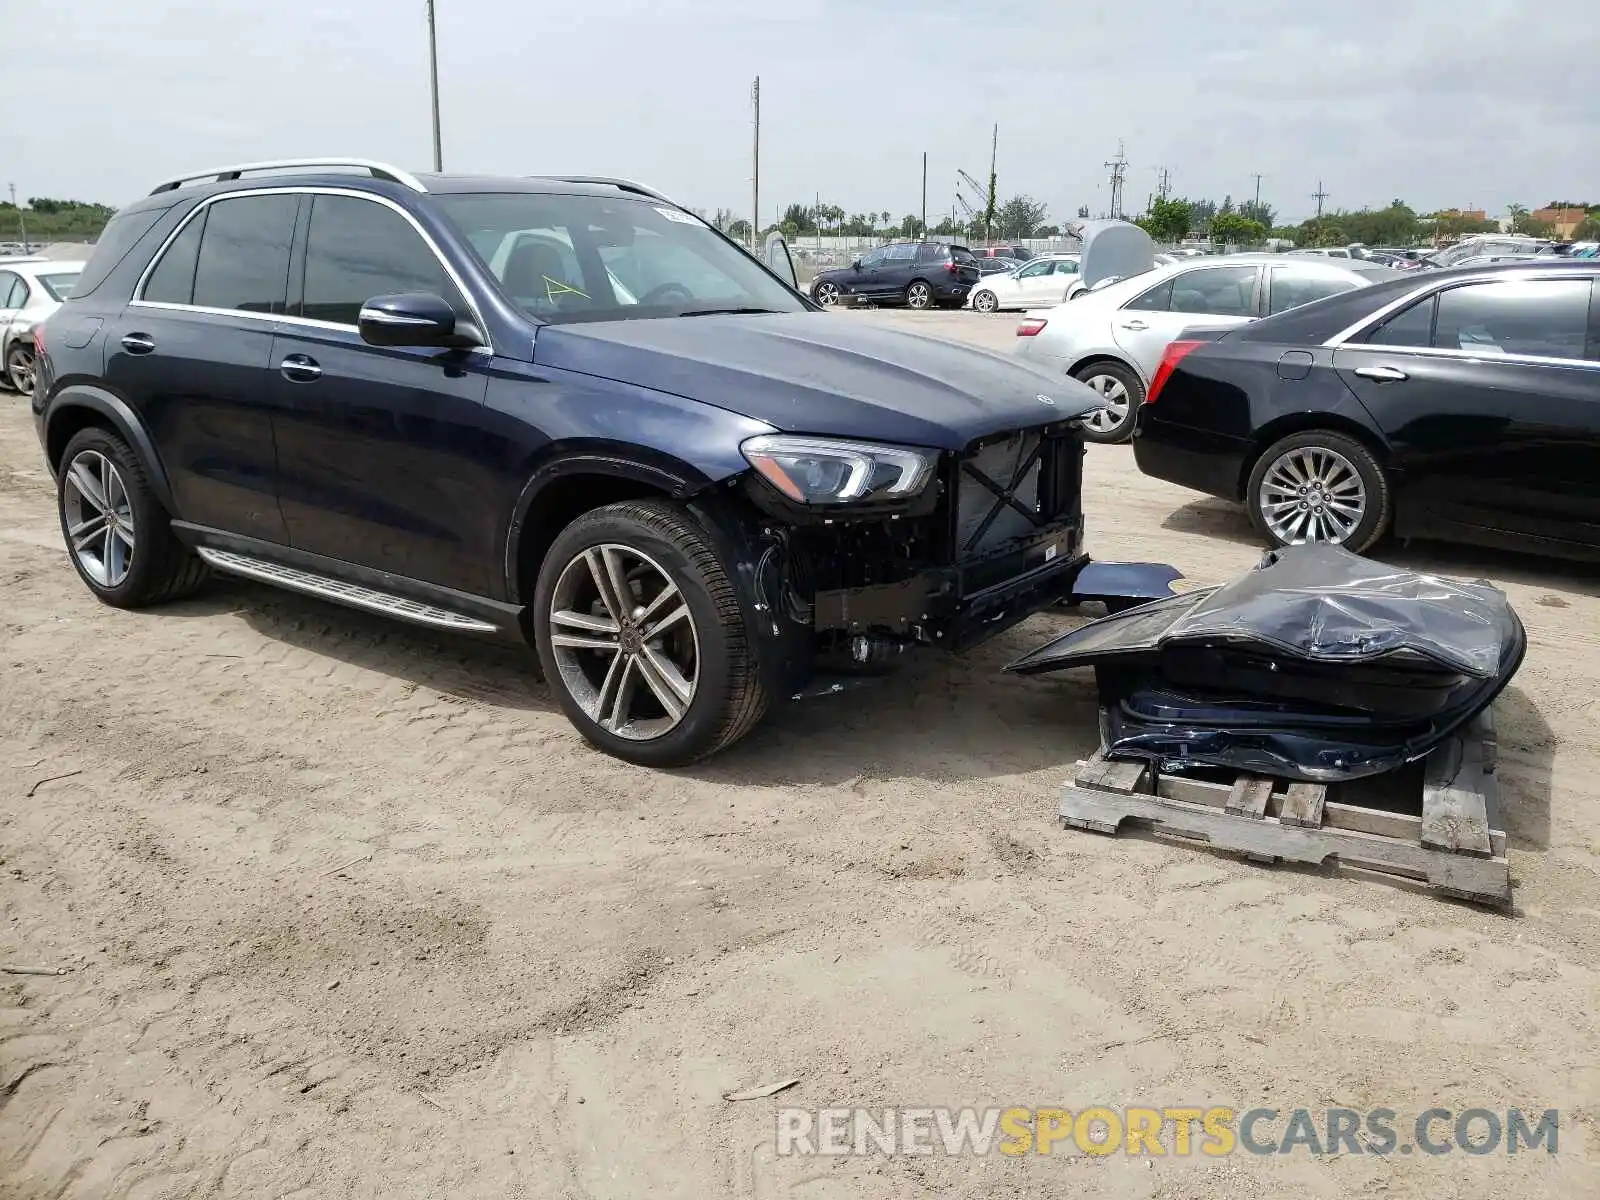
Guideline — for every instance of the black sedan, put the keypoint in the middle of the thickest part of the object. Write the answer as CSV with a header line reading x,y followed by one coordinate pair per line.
x,y
1458,404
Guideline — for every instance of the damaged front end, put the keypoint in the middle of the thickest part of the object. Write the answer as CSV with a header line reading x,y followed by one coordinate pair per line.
x,y
1318,665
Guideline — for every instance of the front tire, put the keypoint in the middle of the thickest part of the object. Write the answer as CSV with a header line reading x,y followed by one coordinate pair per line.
x,y
1319,486
825,293
118,536
919,295
641,636
1121,391
985,302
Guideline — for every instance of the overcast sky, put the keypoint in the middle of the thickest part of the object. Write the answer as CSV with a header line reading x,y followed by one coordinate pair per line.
x,y
1434,101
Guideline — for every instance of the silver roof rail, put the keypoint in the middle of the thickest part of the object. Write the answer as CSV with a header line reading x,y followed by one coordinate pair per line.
x,y
378,170
626,185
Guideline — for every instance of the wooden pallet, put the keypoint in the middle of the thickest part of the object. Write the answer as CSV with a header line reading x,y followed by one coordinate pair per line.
x,y
1450,835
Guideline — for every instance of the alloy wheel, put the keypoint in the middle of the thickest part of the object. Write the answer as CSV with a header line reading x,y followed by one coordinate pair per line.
x,y
99,518
20,369
1312,494
624,642
1114,393
984,302
827,294
919,295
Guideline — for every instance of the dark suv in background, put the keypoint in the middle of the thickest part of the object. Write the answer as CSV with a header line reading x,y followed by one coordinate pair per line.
x,y
916,274
561,410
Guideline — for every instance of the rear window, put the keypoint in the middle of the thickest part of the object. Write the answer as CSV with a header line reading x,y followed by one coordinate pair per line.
x,y
962,255
1321,319
119,236
60,285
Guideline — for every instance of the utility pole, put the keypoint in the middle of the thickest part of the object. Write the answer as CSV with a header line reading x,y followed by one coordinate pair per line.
x,y
988,208
1258,190
21,220
1119,169
433,81
924,194
1164,186
1320,195
755,168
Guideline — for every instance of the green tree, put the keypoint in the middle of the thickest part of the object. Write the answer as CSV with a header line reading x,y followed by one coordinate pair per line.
x,y
1167,220
739,229
1587,230
989,210
1523,221
1396,225
1259,211
1018,217
1200,214
1233,228
911,227
801,217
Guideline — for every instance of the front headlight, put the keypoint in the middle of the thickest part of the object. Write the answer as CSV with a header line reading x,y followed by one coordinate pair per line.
x,y
826,471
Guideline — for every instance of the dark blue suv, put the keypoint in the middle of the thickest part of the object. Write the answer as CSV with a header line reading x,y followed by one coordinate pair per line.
x,y
561,410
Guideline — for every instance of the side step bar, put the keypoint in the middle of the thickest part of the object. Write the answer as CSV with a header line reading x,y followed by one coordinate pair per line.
x,y
341,592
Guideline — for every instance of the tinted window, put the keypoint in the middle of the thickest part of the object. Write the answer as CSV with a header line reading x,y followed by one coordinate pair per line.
x,y
358,249
119,236
1216,291
1411,326
244,254
873,258
933,253
1157,299
172,282
1544,317
962,255
13,292
1292,287
904,252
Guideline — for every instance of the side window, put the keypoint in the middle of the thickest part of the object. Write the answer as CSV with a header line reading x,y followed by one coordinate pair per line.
x,y
13,292
1034,269
172,282
1548,318
1411,326
1292,287
244,254
873,258
1065,266
1216,292
902,252
1157,299
932,252
357,249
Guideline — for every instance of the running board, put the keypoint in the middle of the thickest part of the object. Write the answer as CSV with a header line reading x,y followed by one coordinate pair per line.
x,y
341,592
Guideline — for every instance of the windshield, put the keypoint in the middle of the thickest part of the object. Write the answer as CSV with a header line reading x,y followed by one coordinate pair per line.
x,y
600,258
60,285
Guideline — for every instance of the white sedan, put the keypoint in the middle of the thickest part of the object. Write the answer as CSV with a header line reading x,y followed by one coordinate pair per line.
x,y
1043,280
1113,337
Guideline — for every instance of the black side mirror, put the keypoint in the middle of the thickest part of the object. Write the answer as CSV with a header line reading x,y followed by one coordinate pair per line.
x,y
415,319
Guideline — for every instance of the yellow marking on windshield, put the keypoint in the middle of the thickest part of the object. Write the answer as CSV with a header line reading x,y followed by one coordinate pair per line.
x,y
557,287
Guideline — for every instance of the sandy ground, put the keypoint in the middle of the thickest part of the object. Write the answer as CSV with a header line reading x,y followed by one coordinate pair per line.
x,y
539,969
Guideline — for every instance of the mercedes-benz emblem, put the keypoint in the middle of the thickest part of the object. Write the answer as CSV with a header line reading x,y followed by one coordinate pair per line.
x,y
1043,399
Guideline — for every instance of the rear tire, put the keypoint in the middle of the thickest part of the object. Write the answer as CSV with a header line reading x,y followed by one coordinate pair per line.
x,y
1306,486
985,302
919,295
20,373
1120,388
825,293
137,561
651,698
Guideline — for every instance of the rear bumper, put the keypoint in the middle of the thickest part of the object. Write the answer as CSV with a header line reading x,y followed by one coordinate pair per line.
x,y
1193,458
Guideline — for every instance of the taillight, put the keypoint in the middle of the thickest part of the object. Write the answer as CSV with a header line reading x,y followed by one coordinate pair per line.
x,y
38,340
1176,353
1031,326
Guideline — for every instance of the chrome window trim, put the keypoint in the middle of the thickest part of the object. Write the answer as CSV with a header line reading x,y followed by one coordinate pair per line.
x,y
1538,360
1531,275
139,301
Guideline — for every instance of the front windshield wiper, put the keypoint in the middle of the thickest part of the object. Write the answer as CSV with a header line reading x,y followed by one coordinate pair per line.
x,y
723,312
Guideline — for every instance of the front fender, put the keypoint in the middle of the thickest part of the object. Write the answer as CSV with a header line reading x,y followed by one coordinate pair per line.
x,y
59,412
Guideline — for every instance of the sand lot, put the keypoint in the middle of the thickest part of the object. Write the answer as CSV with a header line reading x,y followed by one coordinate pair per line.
x,y
348,910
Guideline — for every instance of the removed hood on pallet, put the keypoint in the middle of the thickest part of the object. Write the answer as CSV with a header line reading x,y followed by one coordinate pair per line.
x,y
1317,665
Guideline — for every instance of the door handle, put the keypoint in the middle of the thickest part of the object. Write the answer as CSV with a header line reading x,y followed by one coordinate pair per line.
x,y
1382,374
1135,325
300,368
138,343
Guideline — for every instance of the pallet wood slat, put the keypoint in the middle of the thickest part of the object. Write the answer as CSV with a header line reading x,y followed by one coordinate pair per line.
x,y
1456,845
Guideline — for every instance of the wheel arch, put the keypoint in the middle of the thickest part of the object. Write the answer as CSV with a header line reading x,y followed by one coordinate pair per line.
x,y
1305,422
78,407
577,481
1097,357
